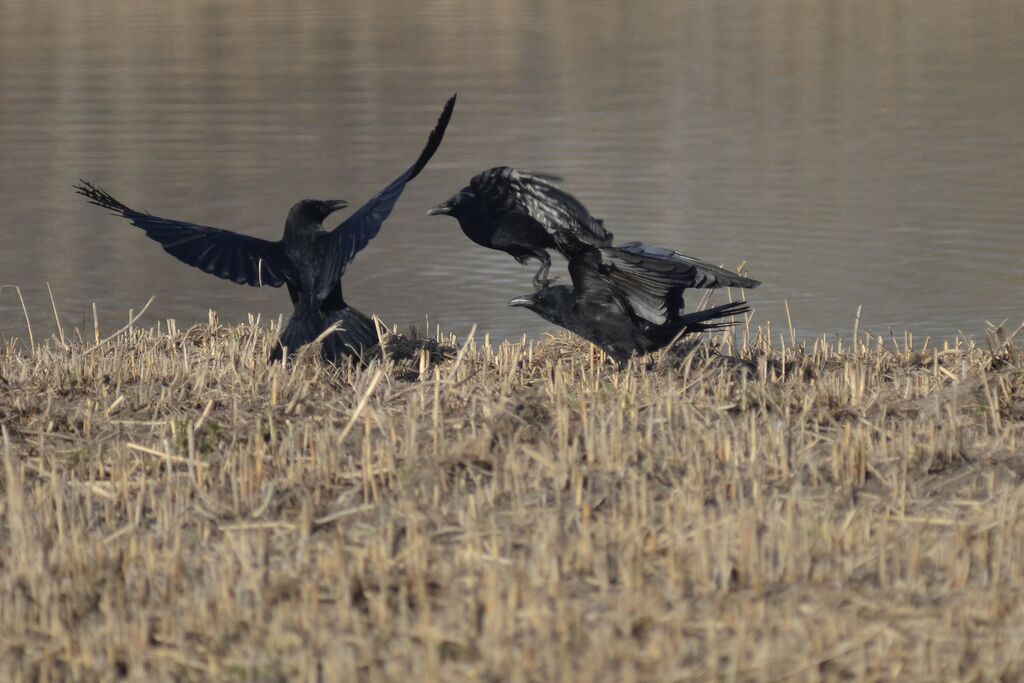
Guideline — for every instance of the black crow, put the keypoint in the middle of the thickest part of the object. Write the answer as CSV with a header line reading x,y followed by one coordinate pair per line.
x,y
524,215
308,259
629,299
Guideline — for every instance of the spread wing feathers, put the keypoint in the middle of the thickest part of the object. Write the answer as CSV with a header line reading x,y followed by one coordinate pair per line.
x,y
229,255
349,238
591,285
651,280
531,194
682,269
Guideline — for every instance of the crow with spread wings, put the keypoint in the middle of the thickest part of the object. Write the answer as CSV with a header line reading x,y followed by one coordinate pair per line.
x,y
308,259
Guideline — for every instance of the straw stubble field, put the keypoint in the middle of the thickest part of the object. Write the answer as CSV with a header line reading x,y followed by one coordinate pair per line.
x,y
173,508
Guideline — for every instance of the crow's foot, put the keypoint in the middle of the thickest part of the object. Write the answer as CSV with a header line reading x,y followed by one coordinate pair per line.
x,y
542,282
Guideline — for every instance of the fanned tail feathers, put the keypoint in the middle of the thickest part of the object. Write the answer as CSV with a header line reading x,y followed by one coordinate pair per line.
x,y
353,335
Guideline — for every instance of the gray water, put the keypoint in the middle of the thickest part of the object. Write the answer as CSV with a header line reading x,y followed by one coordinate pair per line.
x,y
852,154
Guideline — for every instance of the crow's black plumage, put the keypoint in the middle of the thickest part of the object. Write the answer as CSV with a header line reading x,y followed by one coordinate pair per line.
x,y
308,259
524,215
628,300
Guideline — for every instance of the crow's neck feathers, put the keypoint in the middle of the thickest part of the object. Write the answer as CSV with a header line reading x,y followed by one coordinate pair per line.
x,y
299,229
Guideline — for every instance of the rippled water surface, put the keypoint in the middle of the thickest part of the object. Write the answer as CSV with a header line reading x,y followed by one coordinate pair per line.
x,y
866,153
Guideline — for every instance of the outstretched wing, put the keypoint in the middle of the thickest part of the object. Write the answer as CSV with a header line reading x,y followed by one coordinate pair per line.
x,y
590,284
698,274
652,279
344,242
531,194
229,255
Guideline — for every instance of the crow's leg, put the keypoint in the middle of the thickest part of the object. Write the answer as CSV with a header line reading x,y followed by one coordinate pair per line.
x,y
540,280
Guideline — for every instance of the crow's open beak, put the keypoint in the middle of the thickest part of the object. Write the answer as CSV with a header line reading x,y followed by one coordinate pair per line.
x,y
336,204
524,300
442,209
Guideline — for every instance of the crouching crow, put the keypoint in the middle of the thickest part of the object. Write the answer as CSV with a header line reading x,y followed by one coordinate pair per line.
x,y
628,300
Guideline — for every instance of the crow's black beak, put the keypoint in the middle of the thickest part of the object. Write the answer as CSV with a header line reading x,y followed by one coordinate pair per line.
x,y
524,300
442,209
335,204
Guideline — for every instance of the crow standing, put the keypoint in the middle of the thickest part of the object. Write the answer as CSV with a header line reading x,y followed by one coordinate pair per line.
x,y
524,215
308,259
628,300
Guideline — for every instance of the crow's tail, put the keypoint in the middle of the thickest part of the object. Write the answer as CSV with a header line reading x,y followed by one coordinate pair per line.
x,y
353,335
712,318
300,330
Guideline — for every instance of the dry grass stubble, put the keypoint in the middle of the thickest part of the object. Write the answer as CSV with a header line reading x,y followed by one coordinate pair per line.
x,y
173,508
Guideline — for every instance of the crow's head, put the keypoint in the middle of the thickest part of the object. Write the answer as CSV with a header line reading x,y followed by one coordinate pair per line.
x,y
314,211
554,304
456,205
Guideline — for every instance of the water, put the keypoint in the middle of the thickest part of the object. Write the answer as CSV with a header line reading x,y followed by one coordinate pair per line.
x,y
853,154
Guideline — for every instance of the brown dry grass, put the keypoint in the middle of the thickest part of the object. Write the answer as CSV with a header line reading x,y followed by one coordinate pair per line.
x,y
173,508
